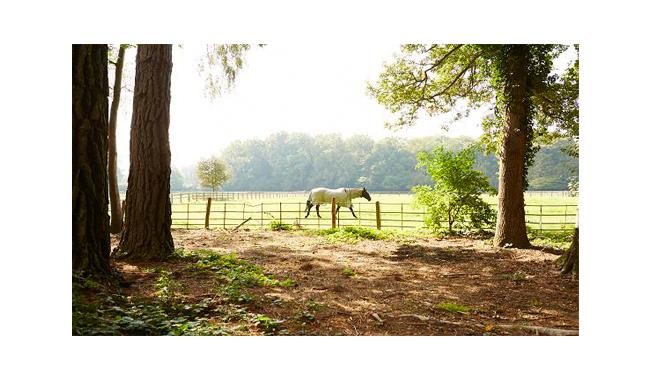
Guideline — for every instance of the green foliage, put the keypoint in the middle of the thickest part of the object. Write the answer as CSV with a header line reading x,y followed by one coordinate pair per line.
x,y
305,316
553,239
352,234
115,315
294,161
455,79
267,324
519,276
166,288
212,173
235,274
316,306
276,225
348,272
220,65
455,198
453,307
168,312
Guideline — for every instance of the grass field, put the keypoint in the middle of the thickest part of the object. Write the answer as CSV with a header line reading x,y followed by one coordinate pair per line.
x,y
397,212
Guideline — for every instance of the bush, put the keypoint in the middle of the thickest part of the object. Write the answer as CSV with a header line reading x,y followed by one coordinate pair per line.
x,y
276,225
455,199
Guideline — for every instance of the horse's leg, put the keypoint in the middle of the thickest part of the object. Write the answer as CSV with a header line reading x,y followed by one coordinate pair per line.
x,y
309,206
352,211
318,210
338,217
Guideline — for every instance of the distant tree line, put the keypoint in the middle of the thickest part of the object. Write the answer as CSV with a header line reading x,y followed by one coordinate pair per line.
x,y
296,161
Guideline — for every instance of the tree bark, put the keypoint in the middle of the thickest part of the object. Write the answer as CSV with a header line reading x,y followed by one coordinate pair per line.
x,y
511,217
569,260
114,192
90,235
147,228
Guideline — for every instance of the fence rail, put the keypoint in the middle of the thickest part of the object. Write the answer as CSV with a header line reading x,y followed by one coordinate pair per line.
x,y
215,214
182,197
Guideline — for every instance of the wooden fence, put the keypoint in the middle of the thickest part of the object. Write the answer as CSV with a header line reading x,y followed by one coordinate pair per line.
x,y
214,214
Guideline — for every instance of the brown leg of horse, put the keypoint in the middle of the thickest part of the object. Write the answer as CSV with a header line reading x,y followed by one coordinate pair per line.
x,y
318,210
308,210
352,211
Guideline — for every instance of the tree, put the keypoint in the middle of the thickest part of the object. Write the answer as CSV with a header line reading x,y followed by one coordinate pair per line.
x,y
565,106
212,173
515,80
228,59
456,195
114,192
90,226
176,180
147,226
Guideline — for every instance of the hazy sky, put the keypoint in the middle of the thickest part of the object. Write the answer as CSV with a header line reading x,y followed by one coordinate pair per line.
x,y
310,88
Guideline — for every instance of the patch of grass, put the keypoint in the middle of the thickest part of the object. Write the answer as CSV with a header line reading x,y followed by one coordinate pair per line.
x,y
348,272
352,234
555,239
519,276
276,225
453,307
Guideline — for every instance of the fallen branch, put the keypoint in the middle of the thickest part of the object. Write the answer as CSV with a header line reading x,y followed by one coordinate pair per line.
x,y
241,224
535,329
420,317
540,330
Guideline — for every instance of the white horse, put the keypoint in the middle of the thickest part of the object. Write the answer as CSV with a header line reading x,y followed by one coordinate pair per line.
x,y
343,195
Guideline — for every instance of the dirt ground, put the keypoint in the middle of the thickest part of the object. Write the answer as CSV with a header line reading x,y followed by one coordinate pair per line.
x,y
390,287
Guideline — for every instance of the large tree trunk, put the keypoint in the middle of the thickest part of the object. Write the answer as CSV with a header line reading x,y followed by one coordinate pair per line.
x,y
511,217
114,192
147,227
90,236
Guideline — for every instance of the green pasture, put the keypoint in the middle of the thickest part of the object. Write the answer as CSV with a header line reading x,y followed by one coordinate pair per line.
x,y
397,212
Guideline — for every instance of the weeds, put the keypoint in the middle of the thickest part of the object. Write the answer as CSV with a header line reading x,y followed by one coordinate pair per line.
x,y
348,272
453,307
555,239
276,225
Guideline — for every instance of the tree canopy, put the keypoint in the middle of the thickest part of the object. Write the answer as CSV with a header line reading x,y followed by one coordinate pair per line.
x,y
295,161
212,173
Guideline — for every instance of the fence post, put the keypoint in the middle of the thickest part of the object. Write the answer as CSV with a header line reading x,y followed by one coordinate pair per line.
x,y
207,214
359,211
280,212
378,215
333,212
224,214
541,227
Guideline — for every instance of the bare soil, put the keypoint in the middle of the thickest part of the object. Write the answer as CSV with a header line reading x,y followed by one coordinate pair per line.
x,y
387,287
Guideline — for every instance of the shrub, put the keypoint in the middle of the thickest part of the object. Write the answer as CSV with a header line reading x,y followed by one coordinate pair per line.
x,y
276,225
455,199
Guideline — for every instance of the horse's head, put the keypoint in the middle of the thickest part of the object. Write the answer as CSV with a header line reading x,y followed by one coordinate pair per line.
x,y
365,194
